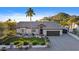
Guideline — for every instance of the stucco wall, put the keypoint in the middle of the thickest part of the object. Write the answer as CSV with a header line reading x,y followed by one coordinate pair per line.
x,y
25,30
45,32
37,31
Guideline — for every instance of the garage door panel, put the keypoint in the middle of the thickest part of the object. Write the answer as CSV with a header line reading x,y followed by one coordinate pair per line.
x,y
53,33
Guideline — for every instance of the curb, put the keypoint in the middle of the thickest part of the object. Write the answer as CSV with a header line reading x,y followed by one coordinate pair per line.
x,y
74,36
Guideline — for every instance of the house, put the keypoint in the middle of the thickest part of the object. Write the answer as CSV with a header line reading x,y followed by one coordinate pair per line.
x,y
77,27
45,28
74,26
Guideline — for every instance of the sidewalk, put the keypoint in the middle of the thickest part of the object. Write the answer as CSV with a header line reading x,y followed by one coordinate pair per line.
x,y
74,36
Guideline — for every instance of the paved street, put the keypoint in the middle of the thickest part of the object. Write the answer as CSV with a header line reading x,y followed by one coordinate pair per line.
x,y
60,43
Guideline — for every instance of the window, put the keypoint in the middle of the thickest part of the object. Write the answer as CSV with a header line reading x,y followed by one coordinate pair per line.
x,y
33,30
22,30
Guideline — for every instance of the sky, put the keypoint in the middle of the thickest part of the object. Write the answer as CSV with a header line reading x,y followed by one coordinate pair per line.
x,y
18,13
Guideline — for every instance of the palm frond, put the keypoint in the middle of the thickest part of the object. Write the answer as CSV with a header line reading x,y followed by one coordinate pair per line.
x,y
29,12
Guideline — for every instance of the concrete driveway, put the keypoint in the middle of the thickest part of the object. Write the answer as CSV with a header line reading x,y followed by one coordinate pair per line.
x,y
64,43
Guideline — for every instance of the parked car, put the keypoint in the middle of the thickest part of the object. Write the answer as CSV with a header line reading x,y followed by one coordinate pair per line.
x,y
65,31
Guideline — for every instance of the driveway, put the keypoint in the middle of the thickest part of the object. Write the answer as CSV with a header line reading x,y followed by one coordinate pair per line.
x,y
64,43
60,43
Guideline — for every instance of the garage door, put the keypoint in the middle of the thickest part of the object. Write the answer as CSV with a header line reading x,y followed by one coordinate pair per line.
x,y
53,33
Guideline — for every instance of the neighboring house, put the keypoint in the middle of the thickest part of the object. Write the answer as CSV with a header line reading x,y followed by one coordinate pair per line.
x,y
74,26
45,28
77,27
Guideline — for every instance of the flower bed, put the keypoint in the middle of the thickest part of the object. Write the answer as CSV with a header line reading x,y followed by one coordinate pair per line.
x,y
26,42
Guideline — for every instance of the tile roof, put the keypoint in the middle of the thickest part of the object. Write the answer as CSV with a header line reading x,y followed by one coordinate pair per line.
x,y
35,24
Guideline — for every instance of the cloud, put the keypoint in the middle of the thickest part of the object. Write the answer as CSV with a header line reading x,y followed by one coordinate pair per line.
x,y
18,17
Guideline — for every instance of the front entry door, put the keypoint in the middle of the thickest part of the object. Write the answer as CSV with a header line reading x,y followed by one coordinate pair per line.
x,y
41,31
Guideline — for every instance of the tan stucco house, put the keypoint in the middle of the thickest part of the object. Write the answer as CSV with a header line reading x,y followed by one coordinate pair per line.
x,y
45,28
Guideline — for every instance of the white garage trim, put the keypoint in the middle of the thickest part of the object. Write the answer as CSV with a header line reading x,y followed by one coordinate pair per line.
x,y
61,32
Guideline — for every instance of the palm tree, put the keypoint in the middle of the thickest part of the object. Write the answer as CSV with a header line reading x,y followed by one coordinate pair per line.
x,y
30,14
71,21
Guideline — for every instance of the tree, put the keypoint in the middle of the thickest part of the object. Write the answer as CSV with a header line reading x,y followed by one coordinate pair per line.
x,y
11,27
60,17
2,28
63,19
11,24
57,18
30,14
77,23
63,23
46,19
72,21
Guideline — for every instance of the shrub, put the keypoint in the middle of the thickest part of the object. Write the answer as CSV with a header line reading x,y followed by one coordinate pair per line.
x,y
43,43
75,31
48,40
19,33
15,43
7,43
26,43
0,43
34,43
